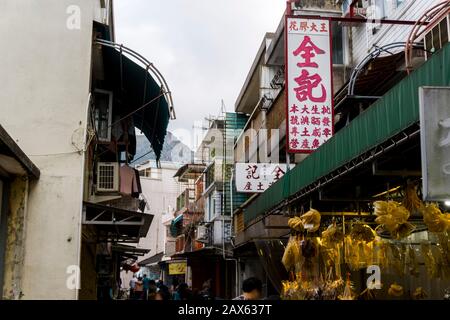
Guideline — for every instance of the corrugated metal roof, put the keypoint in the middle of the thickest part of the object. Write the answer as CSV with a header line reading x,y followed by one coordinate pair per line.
x,y
395,111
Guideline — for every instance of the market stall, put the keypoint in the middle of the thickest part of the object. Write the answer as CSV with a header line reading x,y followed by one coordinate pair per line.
x,y
398,249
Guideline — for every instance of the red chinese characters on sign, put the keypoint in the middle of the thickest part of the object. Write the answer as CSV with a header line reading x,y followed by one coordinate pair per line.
x,y
309,91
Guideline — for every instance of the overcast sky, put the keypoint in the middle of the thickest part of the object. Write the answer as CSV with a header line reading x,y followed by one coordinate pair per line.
x,y
203,48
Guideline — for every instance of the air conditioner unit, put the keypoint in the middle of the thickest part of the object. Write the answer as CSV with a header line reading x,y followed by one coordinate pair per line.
x,y
202,234
107,176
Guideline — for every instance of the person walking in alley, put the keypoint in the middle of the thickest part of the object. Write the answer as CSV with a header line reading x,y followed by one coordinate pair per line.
x,y
146,284
152,289
139,290
206,293
163,293
132,286
252,289
182,292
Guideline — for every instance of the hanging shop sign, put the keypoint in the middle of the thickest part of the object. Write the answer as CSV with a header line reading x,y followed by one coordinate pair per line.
x,y
177,268
258,177
435,142
309,89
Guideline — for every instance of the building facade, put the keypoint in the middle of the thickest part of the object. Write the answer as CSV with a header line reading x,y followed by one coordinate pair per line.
x,y
376,108
73,122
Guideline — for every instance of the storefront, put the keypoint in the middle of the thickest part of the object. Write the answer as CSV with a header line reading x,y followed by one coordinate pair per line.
x,y
359,226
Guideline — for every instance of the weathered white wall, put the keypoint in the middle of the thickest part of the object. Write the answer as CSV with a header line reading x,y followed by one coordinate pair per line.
x,y
44,81
363,40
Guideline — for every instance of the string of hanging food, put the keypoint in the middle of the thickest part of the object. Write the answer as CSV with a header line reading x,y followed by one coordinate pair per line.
x,y
319,266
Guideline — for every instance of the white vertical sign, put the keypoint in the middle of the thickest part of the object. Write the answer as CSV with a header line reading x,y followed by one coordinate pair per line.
x,y
435,142
309,84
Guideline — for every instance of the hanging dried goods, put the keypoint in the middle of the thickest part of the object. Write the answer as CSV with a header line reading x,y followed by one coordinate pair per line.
x,y
292,255
392,216
435,220
362,232
311,220
419,294
411,201
296,224
395,290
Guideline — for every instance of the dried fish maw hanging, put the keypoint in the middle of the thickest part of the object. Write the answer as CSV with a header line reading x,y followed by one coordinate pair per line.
x,y
435,220
311,220
430,263
403,230
332,235
411,201
296,224
395,290
413,266
362,232
419,294
396,260
393,218
291,254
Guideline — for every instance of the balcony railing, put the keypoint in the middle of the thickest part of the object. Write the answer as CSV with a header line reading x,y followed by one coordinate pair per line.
x,y
186,198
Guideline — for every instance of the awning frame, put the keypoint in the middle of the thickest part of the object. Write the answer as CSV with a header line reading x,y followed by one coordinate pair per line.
x,y
116,217
148,66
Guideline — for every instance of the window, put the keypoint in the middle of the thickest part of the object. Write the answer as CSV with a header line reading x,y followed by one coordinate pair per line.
x,y
103,114
437,37
337,43
152,173
399,2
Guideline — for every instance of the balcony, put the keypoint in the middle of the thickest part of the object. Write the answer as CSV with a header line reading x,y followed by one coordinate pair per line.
x,y
186,199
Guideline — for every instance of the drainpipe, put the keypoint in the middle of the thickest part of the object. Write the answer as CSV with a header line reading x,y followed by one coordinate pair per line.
x,y
82,173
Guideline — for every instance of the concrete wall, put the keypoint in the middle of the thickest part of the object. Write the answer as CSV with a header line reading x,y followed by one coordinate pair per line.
x,y
16,231
43,101
363,39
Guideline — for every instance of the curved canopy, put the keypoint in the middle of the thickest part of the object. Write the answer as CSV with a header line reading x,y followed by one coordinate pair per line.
x,y
138,96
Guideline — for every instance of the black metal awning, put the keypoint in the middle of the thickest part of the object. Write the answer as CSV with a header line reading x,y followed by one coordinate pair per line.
x,y
143,97
116,224
153,259
200,253
129,251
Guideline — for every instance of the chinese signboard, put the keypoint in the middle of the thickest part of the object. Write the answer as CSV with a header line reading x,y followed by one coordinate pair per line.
x,y
177,268
435,142
258,177
309,93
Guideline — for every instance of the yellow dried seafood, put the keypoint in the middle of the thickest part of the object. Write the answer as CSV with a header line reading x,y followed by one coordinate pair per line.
x,y
332,235
311,220
362,232
428,257
419,294
411,201
395,290
435,220
392,216
296,224
292,254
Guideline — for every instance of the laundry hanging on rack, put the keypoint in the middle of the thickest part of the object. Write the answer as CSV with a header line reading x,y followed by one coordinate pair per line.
x,y
129,181
138,182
